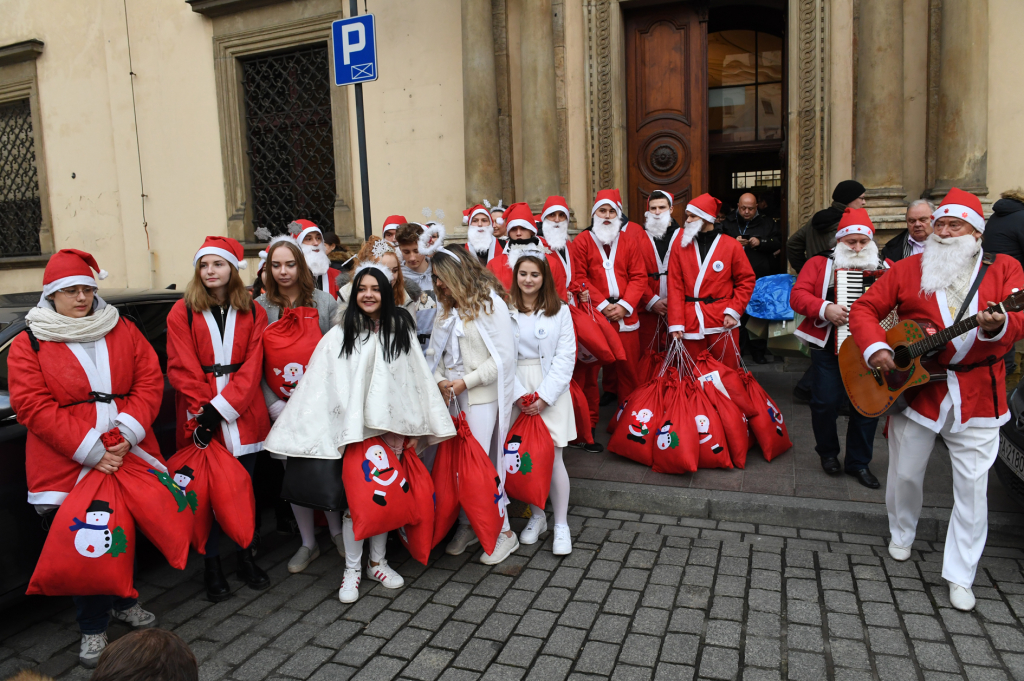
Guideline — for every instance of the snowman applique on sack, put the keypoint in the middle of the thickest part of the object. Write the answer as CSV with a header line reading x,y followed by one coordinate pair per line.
x,y
667,437
516,462
94,538
529,457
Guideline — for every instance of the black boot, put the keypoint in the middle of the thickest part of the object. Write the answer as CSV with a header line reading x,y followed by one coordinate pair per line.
x,y
250,573
217,589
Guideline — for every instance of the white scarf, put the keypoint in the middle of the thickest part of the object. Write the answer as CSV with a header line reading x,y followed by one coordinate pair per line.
x,y
50,325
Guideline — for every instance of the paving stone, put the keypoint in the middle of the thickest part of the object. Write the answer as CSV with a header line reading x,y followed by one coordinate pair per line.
x,y
957,622
1005,638
477,654
610,628
536,623
621,602
806,666
803,612
498,626
727,608
431,616
380,669
845,626
597,658
723,633
669,575
565,642
729,585
428,665
579,615
260,665
766,601
493,585
474,609
625,672
761,652
687,621
846,653
985,674
842,601
386,624
693,597
630,578
567,577
406,643
887,641
453,635
935,656
801,637
974,650
650,621
719,663
659,596
547,667
306,661
591,590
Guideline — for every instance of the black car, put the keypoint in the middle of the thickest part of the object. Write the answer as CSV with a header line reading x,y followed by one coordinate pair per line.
x,y
1009,464
20,528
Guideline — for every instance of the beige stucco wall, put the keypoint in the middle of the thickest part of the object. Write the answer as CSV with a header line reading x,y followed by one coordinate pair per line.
x,y
1005,97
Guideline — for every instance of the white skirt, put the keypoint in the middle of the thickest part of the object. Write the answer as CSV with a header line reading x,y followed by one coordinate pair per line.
x,y
558,417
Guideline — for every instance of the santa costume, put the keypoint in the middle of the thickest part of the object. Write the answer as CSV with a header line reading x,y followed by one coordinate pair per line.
x,y
969,406
519,215
556,234
71,380
390,229
324,276
709,278
660,233
480,240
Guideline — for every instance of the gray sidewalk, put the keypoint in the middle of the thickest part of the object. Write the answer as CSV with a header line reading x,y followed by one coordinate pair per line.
x,y
641,597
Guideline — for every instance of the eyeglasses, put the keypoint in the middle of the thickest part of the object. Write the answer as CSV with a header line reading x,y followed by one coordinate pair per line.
x,y
75,291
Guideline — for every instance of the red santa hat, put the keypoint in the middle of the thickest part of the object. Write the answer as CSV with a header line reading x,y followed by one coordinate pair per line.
x,y
855,221
554,203
300,228
607,197
70,267
963,205
467,215
229,249
520,215
705,207
658,194
392,222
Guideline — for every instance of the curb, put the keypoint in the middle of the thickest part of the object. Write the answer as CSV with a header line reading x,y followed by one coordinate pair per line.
x,y
1005,529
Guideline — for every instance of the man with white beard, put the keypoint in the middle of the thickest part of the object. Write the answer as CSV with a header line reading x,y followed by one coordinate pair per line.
x,y
480,238
969,406
522,235
661,230
814,288
311,241
554,218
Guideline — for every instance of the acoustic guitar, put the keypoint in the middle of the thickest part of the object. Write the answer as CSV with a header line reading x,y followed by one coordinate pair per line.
x,y
874,393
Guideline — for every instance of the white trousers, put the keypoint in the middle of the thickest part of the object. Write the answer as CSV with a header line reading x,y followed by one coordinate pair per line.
x,y
482,420
354,549
972,451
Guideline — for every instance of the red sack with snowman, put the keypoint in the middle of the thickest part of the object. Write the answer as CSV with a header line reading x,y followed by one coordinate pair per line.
x,y
418,537
160,506
767,424
288,344
676,449
733,421
446,484
480,490
581,412
377,489
529,457
714,450
635,434
709,368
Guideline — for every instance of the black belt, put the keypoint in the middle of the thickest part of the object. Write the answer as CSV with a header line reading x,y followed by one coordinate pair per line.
x,y
423,338
94,396
707,300
219,370
659,275
964,368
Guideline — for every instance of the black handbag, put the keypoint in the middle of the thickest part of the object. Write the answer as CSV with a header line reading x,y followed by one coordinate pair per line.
x,y
314,483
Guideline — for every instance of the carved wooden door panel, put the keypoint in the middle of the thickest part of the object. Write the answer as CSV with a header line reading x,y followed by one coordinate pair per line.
x,y
666,93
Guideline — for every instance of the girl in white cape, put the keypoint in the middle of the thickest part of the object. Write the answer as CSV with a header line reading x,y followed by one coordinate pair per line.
x,y
365,379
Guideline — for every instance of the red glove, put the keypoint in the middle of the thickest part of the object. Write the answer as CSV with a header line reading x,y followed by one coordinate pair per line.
x,y
111,438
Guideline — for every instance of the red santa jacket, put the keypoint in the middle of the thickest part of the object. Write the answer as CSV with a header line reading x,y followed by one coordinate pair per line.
x,y
977,396
48,392
657,269
808,298
725,276
618,272
568,262
499,267
331,278
236,395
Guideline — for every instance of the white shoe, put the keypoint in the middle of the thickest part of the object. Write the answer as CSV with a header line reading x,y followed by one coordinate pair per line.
x,y
135,617
349,591
384,574
302,558
961,598
900,553
92,648
562,546
463,539
502,549
537,526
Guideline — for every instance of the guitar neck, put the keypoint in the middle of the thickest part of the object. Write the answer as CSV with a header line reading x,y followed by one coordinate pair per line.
x,y
942,337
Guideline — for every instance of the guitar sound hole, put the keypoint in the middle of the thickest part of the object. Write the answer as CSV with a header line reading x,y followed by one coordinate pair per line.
x,y
902,357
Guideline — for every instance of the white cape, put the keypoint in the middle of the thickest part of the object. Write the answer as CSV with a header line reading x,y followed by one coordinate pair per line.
x,y
341,400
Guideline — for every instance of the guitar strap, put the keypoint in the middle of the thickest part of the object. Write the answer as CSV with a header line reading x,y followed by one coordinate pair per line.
x,y
986,260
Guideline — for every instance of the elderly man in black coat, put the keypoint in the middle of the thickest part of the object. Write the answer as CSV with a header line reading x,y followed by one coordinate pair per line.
x,y
911,240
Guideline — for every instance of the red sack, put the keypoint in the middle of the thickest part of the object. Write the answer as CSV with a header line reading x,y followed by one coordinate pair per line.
x,y
649,366
529,457
90,548
162,510
676,449
735,424
634,437
767,424
613,422
288,344
377,489
589,335
418,538
611,335
581,412
714,452
446,482
727,379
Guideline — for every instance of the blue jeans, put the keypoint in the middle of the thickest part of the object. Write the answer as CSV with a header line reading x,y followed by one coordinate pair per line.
x,y
827,394
248,462
93,612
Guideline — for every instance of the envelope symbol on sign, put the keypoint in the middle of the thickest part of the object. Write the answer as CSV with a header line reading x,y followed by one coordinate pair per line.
x,y
362,70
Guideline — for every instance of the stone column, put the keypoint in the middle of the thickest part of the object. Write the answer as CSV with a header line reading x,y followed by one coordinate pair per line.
x,y
879,107
960,142
480,104
540,121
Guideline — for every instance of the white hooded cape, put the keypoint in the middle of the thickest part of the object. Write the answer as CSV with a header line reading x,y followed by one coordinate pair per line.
x,y
341,400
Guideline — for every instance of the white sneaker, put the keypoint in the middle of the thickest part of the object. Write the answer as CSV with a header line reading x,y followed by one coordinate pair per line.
x,y
302,558
900,553
135,617
537,526
349,591
562,545
961,598
384,574
463,539
502,549
92,648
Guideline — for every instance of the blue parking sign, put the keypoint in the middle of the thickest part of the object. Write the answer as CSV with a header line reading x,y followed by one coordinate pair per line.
x,y
355,50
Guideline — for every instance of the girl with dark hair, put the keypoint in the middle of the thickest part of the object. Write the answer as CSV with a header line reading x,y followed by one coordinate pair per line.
x,y
364,380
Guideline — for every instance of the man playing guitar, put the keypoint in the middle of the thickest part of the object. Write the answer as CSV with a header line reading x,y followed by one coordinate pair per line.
x,y
969,406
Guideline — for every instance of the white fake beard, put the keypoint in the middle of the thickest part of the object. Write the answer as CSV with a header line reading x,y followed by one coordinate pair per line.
x,y
316,259
479,238
846,259
945,260
607,230
556,233
657,225
690,229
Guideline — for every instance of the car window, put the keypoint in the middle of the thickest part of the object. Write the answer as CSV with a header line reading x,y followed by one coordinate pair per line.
x,y
4,351
153,317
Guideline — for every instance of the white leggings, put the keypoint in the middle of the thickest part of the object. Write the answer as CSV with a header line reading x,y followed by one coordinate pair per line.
x,y
354,549
304,518
559,492
482,418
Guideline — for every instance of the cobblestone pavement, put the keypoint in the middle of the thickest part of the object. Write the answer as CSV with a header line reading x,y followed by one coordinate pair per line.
x,y
650,597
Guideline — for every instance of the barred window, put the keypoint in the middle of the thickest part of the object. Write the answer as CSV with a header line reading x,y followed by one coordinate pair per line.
x,y
290,138
21,214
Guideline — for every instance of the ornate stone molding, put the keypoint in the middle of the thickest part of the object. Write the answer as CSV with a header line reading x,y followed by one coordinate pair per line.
x,y
599,92
808,134
219,8
26,50
503,85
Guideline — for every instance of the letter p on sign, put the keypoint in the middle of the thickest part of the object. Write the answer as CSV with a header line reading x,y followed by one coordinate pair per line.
x,y
354,46
350,44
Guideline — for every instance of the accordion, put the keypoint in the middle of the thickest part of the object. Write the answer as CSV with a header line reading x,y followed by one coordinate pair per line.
x,y
851,285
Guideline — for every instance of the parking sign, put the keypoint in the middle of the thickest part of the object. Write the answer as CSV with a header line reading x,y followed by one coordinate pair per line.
x,y
355,50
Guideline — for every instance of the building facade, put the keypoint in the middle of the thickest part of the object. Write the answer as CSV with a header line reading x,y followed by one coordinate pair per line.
x,y
133,129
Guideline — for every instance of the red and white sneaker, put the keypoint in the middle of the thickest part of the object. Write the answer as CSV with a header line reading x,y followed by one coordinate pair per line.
x,y
385,575
349,591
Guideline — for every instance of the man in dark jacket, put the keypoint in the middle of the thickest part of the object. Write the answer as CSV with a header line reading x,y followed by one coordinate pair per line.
x,y
819,233
911,240
1004,233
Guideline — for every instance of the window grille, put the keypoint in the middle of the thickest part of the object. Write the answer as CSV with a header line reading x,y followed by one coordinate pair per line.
x,y
748,179
290,140
21,213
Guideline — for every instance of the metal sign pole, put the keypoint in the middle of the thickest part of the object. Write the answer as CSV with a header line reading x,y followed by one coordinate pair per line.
x,y
361,132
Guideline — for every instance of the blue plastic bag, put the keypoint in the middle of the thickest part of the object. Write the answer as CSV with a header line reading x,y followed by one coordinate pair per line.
x,y
770,299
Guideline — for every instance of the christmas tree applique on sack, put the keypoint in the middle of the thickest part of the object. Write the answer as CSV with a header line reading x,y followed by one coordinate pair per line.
x,y
177,487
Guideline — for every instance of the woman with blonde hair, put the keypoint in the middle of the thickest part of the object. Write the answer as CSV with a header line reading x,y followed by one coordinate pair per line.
x,y
377,250
473,353
215,363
